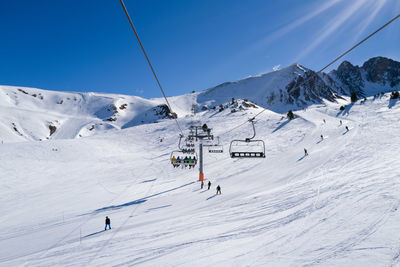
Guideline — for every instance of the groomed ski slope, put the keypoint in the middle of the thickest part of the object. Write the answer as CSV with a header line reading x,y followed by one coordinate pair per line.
x,y
339,206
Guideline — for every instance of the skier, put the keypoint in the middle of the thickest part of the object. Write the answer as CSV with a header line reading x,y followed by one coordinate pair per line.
x,y
347,128
108,222
322,137
218,190
324,120
209,185
340,122
305,152
202,184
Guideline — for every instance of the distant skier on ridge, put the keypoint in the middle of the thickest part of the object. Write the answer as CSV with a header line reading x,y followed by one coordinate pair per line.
x,y
209,185
108,223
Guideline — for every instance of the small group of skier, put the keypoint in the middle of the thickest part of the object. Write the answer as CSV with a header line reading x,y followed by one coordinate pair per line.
x,y
209,186
322,137
184,162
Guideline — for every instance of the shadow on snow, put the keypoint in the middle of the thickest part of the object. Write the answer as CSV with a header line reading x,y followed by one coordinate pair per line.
x,y
281,126
138,201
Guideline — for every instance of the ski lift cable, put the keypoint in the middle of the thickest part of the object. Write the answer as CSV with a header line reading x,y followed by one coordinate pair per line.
x,y
332,62
359,43
149,63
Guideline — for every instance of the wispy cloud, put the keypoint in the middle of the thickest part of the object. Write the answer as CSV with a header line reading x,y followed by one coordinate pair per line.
x,y
139,91
295,24
275,68
375,8
331,27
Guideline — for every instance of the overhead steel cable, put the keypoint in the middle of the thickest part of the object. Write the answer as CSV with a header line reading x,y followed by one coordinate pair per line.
x,y
151,66
359,43
332,62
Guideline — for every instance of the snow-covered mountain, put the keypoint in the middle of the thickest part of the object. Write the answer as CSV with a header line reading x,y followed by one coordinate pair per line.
x,y
293,87
34,114
376,75
337,206
296,87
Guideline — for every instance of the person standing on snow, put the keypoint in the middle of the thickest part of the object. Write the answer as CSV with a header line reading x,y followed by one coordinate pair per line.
x,y
218,190
108,222
202,184
209,185
305,152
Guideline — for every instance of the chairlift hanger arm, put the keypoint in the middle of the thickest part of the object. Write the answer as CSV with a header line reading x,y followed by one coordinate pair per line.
x,y
254,129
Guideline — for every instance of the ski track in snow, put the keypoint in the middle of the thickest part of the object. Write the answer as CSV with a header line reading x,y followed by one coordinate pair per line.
x,y
339,206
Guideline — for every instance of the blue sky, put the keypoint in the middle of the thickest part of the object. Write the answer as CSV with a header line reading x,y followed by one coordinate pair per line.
x,y
71,45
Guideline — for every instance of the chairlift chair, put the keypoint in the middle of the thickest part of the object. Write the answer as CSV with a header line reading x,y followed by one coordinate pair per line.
x,y
215,147
177,157
247,148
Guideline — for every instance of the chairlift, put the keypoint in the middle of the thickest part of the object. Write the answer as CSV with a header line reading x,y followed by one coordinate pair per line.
x,y
189,146
247,148
180,158
215,147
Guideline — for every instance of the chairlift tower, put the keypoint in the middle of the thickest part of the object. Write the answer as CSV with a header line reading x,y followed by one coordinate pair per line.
x,y
200,133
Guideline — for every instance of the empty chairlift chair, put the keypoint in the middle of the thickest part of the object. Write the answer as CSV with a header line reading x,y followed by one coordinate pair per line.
x,y
247,148
215,147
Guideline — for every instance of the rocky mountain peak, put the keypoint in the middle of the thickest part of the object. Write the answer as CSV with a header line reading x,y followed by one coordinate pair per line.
x,y
383,71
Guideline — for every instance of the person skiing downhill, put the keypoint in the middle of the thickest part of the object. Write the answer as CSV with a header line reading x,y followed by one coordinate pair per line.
x,y
347,128
108,222
218,190
209,185
202,184
322,137
305,152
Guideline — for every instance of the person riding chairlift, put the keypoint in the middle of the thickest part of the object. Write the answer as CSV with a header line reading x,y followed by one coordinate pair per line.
x,y
190,160
173,161
178,161
186,161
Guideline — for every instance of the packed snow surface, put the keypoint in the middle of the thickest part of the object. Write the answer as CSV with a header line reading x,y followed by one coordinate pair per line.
x,y
338,206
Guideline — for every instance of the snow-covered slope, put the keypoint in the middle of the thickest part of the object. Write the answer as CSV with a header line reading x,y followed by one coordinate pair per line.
x,y
339,206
